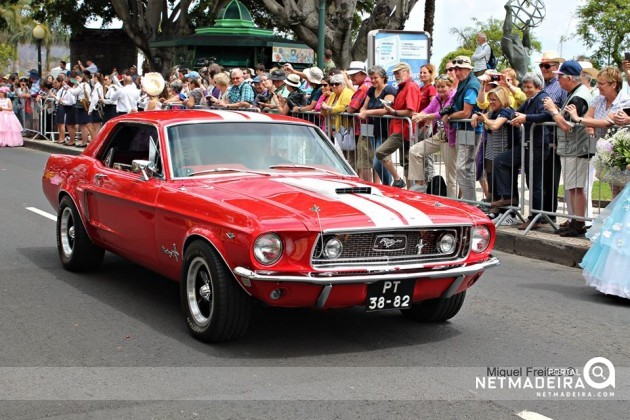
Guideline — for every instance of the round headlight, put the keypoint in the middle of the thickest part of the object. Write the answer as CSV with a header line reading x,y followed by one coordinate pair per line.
x,y
268,248
447,243
333,248
480,238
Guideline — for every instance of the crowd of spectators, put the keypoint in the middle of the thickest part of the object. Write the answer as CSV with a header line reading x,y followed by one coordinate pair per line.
x,y
470,115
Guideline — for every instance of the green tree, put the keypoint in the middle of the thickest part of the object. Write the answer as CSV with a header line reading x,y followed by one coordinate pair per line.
x,y
493,28
347,21
605,26
18,18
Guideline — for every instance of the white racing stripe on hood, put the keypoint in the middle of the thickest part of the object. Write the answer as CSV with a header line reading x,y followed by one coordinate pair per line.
x,y
411,214
380,215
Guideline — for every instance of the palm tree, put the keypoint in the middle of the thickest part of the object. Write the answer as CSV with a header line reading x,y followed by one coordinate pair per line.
x,y
15,15
429,16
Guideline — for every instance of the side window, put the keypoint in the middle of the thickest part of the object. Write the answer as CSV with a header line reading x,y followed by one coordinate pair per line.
x,y
129,142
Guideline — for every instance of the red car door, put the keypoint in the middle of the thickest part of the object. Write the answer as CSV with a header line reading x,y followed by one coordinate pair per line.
x,y
121,206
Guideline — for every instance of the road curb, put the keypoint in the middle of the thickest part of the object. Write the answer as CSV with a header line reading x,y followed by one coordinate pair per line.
x,y
542,246
51,147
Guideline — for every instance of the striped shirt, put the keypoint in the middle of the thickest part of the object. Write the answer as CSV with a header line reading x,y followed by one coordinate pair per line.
x,y
553,89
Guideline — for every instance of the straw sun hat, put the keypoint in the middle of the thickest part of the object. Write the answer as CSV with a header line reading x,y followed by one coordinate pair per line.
x,y
153,83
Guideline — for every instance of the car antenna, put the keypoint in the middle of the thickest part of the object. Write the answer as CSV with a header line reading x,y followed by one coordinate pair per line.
x,y
316,209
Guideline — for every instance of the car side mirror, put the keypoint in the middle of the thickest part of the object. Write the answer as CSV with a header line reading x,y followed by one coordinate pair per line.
x,y
145,167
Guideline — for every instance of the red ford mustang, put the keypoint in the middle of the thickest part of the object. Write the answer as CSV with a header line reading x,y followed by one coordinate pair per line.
x,y
238,205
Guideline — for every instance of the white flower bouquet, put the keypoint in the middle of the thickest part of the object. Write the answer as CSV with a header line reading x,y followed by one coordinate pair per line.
x,y
613,157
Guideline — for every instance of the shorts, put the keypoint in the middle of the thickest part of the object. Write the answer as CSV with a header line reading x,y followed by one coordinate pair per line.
x,y
392,144
574,172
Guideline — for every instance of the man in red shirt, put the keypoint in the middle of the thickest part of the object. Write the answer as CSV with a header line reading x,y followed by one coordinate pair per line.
x,y
405,104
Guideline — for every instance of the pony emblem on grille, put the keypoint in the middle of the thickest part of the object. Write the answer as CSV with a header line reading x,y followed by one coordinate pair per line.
x,y
390,242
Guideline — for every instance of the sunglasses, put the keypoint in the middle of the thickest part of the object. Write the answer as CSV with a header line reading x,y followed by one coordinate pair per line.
x,y
442,77
335,84
546,66
451,69
460,62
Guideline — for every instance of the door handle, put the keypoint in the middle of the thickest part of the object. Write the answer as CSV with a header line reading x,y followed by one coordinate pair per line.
x,y
98,178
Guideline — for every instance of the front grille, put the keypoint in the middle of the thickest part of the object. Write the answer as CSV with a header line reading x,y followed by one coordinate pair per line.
x,y
399,247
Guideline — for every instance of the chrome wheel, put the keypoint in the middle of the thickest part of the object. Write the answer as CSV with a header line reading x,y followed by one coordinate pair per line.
x,y
67,232
199,291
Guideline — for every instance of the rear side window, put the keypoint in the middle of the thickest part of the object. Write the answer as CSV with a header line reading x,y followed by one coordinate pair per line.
x,y
129,142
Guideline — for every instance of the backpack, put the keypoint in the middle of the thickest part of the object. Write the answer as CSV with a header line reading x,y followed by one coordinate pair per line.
x,y
492,62
437,186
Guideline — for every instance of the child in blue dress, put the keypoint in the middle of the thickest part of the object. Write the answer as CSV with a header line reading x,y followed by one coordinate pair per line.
x,y
607,263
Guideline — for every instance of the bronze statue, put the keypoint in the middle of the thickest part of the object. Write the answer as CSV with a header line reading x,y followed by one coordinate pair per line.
x,y
524,15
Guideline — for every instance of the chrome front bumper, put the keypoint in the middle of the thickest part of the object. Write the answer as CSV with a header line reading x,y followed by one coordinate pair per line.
x,y
325,278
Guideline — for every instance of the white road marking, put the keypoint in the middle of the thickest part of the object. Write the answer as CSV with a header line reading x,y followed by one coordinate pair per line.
x,y
42,213
530,415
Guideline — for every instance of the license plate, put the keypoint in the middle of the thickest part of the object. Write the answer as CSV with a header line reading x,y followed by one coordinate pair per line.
x,y
389,294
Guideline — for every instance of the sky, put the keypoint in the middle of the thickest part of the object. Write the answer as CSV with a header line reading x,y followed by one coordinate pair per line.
x,y
458,13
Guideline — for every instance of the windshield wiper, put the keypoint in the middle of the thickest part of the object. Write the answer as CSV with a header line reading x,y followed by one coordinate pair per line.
x,y
215,170
209,171
297,166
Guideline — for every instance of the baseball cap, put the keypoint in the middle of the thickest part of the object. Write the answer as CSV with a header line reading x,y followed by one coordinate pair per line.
x,y
569,68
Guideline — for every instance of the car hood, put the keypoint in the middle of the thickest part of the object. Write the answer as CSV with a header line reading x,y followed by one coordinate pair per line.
x,y
323,203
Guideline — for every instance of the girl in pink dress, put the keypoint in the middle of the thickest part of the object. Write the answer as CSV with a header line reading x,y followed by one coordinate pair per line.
x,y
10,127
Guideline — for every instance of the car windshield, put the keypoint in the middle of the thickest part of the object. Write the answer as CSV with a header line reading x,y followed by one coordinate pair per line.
x,y
219,148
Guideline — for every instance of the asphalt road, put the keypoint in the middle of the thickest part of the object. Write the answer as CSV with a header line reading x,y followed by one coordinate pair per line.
x,y
113,344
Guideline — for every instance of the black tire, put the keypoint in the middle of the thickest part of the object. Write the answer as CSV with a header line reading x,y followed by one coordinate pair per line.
x,y
215,306
435,310
76,250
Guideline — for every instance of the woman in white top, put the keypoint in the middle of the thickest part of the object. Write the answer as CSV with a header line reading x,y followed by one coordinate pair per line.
x,y
109,88
96,105
66,112
82,92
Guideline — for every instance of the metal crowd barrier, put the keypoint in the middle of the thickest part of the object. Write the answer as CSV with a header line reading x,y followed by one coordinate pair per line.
x,y
358,140
547,170
533,170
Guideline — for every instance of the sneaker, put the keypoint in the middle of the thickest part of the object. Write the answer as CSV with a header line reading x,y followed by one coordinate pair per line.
x,y
399,183
419,188
510,220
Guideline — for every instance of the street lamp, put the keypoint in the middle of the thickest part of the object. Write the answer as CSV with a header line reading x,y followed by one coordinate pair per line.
x,y
39,33
321,39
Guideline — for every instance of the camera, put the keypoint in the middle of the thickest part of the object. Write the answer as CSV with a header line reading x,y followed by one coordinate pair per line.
x,y
447,110
495,77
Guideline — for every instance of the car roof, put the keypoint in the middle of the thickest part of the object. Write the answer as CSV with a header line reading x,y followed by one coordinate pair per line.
x,y
167,117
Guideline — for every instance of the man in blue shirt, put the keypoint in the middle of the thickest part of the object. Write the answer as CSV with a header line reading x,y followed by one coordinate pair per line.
x,y
241,94
467,137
